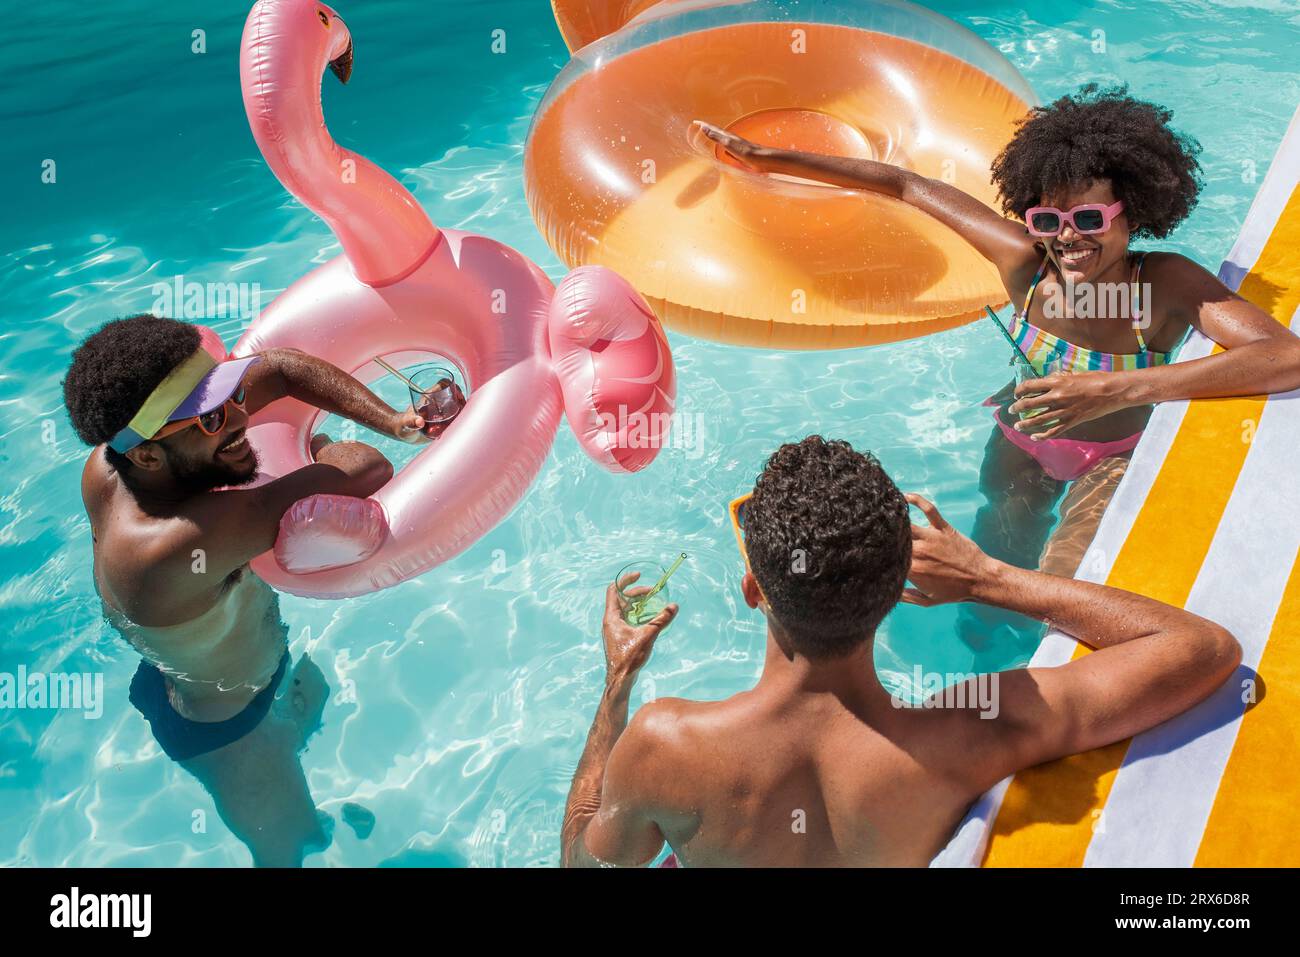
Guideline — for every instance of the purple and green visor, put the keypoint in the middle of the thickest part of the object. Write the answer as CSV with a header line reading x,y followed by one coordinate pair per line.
x,y
198,385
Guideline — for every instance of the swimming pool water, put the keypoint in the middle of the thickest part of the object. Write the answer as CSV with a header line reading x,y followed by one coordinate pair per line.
x,y
459,702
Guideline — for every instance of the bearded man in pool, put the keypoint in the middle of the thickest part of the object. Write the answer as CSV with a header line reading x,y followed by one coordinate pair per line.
x,y
173,533
817,764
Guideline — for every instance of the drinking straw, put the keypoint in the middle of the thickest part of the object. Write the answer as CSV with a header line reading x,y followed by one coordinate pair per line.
x,y
399,375
639,602
1014,345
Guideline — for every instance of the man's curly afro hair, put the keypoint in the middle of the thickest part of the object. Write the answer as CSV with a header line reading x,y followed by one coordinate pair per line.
x,y
114,370
1103,134
830,542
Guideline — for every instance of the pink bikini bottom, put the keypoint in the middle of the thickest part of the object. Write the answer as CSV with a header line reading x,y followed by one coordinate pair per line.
x,y
1063,459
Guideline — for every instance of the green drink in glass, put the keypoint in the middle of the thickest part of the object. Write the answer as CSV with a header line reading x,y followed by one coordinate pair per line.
x,y
1025,372
640,602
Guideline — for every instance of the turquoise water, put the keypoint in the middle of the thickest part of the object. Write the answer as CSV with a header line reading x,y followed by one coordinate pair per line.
x,y
474,685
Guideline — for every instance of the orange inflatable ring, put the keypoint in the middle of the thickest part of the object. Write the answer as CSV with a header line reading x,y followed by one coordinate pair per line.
x,y
617,175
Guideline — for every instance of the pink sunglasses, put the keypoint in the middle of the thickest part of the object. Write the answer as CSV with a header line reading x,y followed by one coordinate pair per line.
x,y
1086,220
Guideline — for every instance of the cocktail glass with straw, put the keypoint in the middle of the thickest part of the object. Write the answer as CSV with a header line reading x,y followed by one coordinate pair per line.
x,y
641,603
1026,372
435,395
1024,368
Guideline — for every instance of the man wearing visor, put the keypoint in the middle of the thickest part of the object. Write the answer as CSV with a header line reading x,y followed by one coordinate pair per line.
x,y
174,526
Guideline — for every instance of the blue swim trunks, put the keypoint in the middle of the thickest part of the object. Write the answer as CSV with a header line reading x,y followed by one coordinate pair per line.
x,y
182,738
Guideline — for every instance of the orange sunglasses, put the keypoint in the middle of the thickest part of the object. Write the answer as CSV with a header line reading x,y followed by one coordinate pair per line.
x,y
737,512
209,423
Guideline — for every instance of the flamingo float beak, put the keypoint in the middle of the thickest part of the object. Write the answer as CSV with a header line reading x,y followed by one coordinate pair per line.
x,y
341,65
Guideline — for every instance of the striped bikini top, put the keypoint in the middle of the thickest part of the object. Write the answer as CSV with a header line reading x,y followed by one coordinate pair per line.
x,y
1043,348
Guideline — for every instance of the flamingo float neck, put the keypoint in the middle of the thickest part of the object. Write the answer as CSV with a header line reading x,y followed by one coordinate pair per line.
x,y
286,47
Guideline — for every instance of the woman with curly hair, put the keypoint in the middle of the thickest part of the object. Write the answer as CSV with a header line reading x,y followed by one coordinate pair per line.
x,y
1080,180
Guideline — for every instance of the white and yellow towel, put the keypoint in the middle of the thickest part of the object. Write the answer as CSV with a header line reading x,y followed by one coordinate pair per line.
x,y
1206,518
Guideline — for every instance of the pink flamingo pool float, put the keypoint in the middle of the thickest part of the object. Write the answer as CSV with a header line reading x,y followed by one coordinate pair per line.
x,y
405,290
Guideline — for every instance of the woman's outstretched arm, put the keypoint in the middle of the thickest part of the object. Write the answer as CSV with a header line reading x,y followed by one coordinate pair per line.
x,y
1002,241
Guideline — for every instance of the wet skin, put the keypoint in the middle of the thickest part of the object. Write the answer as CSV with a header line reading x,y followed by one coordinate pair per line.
x,y
1260,354
172,541
817,765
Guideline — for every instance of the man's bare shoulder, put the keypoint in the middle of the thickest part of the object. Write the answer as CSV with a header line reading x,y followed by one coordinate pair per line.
x,y
136,552
117,522
673,739
95,477
663,723
667,722
982,740
668,758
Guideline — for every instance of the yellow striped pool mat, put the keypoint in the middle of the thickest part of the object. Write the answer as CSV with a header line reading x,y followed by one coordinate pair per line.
x,y
1207,518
